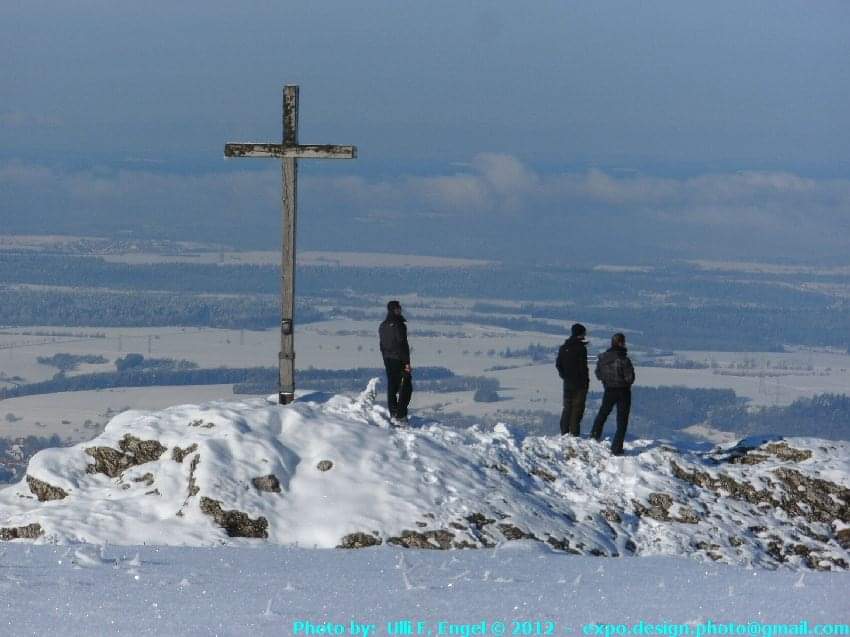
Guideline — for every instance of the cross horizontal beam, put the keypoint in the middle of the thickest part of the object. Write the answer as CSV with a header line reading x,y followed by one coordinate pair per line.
x,y
285,151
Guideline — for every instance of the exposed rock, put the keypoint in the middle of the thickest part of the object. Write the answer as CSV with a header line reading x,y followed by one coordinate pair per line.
x,y
659,508
499,468
541,473
269,483
147,479
113,463
200,423
193,486
785,452
742,454
154,492
325,465
235,523
687,516
28,532
722,482
826,500
441,539
843,538
44,491
512,532
612,516
478,520
177,454
748,458
142,450
358,541
454,525
107,461
561,544
661,500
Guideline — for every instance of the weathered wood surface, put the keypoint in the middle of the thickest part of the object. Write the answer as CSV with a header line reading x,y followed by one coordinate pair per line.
x,y
287,265
290,152
281,151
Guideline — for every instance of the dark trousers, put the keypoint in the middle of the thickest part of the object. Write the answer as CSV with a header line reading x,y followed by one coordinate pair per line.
x,y
573,412
622,398
399,387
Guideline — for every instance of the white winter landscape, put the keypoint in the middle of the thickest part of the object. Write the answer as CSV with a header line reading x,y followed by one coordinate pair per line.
x,y
243,517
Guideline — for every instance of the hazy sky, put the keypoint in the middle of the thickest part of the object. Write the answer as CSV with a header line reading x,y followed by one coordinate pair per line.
x,y
684,123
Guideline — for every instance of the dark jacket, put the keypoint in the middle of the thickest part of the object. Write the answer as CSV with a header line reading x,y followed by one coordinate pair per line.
x,y
572,364
615,369
393,333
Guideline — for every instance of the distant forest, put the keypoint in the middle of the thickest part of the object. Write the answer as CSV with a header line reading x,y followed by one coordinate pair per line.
x,y
134,370
675,307
665,412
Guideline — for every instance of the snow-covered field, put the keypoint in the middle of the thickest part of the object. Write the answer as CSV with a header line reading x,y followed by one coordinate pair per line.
x,y
88,590
465,349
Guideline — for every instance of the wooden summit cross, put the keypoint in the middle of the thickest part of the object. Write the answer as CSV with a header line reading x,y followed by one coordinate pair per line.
x,y
290,152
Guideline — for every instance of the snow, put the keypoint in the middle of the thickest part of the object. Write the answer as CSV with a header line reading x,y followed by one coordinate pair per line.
x,y
244,591
116,558
424,479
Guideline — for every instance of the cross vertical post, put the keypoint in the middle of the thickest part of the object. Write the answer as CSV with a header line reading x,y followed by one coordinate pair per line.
x,y
289,150
286,366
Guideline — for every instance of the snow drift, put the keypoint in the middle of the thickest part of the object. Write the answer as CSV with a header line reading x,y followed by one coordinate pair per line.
x,y
331,472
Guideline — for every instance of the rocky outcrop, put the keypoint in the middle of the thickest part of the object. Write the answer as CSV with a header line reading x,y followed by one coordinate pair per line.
x,y
193,484
235,523
43,491
28,532
512,532
439,539
814,499
267,472
177,454
269,483
659,509
147,479
744,454
133,452
358,540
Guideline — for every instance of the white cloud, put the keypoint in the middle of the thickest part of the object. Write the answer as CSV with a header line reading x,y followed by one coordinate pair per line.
x,y
493,189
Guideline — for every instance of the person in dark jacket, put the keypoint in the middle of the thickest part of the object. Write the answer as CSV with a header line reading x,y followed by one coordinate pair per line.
x,y
396,353
617,374
572,368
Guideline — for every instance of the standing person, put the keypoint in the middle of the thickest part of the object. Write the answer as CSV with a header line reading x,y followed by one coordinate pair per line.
x,y
396,353
572,368
617,374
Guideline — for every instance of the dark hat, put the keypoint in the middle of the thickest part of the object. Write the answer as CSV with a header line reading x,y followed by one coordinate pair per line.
x,y
393,305
578,329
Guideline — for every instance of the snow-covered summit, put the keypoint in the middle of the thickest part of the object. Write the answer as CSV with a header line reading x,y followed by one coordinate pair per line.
x,y
328,472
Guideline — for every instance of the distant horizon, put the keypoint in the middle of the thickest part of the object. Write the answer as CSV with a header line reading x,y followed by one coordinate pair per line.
x,y
491,130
